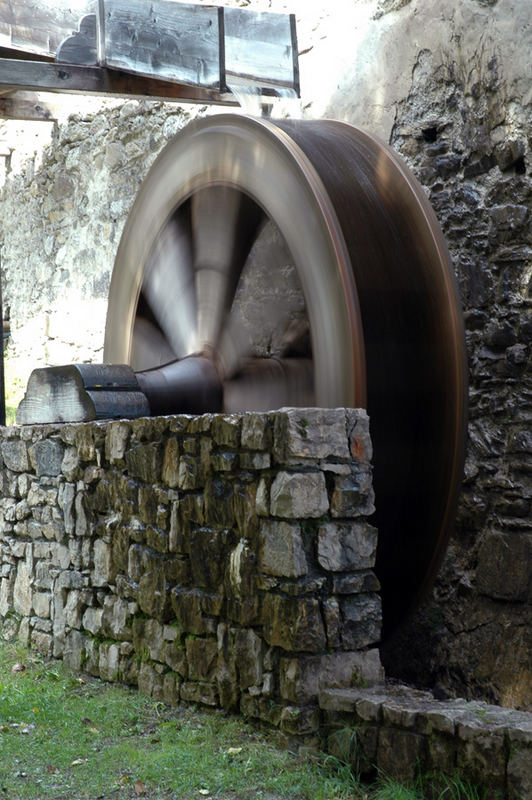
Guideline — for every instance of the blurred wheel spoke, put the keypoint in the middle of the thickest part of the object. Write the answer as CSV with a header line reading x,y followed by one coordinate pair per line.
x,y
169,285
150,348
224,225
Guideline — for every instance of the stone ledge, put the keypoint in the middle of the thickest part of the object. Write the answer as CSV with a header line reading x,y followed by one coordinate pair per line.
x,y
401,729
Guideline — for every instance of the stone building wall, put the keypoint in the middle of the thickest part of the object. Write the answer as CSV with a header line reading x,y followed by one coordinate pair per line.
x,y
220,560
448,85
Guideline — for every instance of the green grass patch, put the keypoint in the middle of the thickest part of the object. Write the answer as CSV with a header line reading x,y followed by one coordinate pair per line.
x,y
64,737
78,738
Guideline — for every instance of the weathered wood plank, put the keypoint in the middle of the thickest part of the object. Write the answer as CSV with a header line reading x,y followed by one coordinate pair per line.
x,y
82,46
81,392
37,26
173,41
52,77
261,47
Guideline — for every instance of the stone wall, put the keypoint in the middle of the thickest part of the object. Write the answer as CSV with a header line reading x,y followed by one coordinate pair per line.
x,y
57,253
448,85
220,560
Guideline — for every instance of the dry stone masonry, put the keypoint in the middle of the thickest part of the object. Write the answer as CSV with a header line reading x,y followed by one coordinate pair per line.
x,y
219,560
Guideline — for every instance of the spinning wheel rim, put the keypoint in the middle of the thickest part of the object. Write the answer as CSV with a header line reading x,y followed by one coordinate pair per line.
x,y
237,152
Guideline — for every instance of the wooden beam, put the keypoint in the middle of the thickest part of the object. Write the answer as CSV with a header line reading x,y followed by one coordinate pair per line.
x,y
75,79
82,392
27,106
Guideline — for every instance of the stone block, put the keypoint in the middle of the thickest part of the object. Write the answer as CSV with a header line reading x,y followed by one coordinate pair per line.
x,y
144,461
208,554
503,569
41,604
47,457
170,689
519,773
226,430
204,693
202,659
442,754
74,652
281,549
92,620
358,434
256,431
187,608
116,617
241,585
88,439
303,679
300,721
150,682
175,657
157,539
361,620
42,643
170,468
353,494
109,662
153,594
481,756
356,583
148,499
153,639
293,623
262,499
255,461
177,571
401,754
310,433
344,547
102,572
331,617
299,495
22,589
219,511
248,650
223,461
226,672
189,474
244,505
15,455
6,593
116,440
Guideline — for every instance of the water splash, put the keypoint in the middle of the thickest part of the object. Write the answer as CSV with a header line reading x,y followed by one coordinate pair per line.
x,y
281,102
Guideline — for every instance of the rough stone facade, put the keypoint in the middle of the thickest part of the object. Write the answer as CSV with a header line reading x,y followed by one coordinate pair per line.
x,y
468,140
448,85
57,259
203,559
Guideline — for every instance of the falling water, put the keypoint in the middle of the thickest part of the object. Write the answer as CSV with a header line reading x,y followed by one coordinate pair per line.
x,y
285,102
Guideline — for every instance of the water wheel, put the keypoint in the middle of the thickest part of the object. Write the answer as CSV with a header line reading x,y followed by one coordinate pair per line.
x,y
298,263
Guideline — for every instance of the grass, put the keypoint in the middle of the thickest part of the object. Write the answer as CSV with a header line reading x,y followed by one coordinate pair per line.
x,y
70,738
67,737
